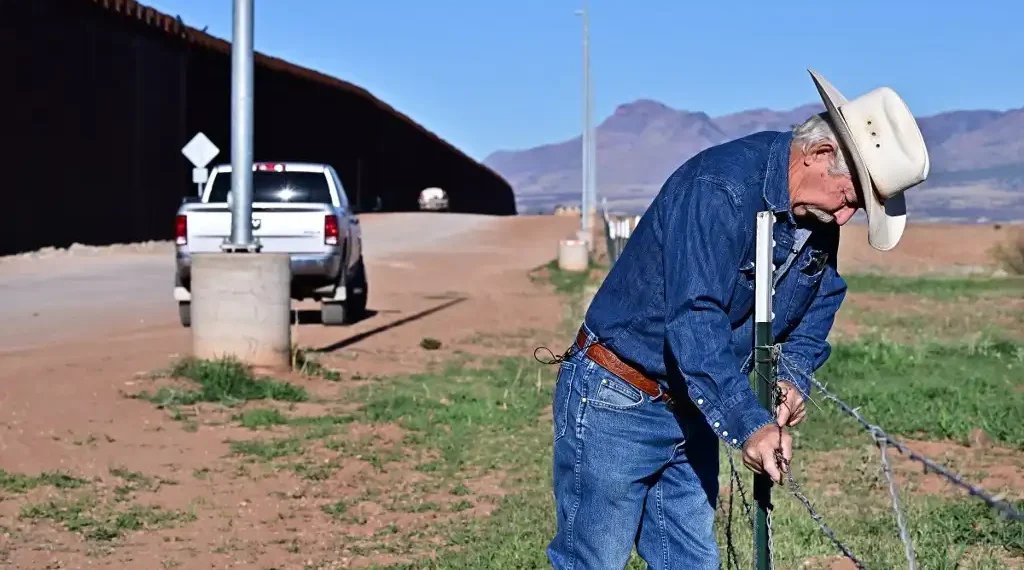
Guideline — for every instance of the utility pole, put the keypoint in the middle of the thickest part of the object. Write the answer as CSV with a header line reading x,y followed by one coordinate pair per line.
x,y
764,375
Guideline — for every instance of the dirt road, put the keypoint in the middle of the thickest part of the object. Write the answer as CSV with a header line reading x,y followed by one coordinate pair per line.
x,y
59,297
77,330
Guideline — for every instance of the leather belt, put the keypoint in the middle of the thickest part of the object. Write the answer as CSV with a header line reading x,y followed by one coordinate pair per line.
x,y
616,366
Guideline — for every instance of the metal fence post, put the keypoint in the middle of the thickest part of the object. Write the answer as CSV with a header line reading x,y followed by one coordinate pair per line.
x,y
764,269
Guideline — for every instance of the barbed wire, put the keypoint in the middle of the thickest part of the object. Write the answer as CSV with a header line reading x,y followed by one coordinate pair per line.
x,y
994,502
901,522
882,439
734,484
793,487
796,491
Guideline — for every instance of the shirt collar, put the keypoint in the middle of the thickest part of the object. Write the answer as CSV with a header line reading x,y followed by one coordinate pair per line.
x,y
776,177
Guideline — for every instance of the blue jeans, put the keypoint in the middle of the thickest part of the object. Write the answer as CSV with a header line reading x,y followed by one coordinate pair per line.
x,y
629,471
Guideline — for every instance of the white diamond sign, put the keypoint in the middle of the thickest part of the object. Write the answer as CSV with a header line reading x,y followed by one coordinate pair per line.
x,y
200,150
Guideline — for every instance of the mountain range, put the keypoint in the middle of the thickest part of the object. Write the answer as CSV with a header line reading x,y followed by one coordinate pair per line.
x,y
977,159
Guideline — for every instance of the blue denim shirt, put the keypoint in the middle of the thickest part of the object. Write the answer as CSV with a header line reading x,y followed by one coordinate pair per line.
x,y
679,302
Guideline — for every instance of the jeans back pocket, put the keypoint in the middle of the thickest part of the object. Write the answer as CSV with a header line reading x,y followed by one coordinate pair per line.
x,y
563,391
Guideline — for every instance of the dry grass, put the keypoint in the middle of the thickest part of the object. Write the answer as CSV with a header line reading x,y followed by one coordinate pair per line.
x,y
1010,254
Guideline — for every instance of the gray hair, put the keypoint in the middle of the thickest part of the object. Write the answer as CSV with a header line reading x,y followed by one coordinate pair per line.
x,y
818,129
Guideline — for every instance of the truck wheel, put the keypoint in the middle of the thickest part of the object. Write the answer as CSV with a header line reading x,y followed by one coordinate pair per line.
x,y
332,314
358,291
185,313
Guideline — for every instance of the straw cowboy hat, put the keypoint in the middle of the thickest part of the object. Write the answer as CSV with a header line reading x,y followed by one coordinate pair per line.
x,y
888,153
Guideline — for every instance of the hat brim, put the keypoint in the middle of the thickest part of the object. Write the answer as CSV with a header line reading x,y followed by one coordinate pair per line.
x,y
887,221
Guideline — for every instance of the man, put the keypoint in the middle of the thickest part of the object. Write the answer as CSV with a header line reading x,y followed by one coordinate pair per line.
x,y
658,373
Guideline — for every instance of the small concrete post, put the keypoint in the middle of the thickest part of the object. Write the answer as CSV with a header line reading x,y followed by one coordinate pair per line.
x,y
241,306
573,255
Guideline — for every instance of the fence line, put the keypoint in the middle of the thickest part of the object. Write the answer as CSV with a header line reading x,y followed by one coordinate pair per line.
x,y
125,88
618,230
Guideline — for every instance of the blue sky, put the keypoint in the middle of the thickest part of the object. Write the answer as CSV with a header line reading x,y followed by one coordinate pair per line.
x,y
506,74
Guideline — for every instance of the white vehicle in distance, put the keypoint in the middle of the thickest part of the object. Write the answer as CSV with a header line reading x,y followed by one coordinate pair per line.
x,y
434,199
298,208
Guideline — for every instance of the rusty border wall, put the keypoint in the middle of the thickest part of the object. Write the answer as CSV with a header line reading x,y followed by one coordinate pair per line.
x,y
99,97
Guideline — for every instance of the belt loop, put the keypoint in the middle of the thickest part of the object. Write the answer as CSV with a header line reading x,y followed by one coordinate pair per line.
x,y
588,341
662,394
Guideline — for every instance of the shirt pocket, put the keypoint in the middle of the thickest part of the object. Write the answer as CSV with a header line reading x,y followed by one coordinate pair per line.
x,y
804,280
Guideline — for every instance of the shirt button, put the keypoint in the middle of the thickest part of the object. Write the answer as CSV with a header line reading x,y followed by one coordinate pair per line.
x,y
604,381
725,433
734,442
584,400
700,401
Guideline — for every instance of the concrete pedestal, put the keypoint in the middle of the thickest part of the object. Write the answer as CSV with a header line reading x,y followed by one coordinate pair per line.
x,y
241,306
573,255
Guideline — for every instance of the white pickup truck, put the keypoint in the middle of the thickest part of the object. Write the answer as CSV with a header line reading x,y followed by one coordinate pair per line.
x,y
298,208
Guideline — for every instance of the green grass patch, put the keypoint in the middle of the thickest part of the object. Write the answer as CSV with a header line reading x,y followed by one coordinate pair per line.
x,y
225,381
456,410
934,391
267,450
99,522
20,483
930,320
260,418
945,288
565,282
947,533
487,419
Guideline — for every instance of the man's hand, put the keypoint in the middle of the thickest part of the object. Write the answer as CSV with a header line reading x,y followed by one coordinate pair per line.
x,y
759,451
791,409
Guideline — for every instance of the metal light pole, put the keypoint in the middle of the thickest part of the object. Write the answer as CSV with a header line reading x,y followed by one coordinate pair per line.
x,y
764,268
241,126
241,297
586,171
592,138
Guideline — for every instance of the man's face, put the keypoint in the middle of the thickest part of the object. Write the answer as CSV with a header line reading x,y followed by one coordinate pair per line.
x,y
822,192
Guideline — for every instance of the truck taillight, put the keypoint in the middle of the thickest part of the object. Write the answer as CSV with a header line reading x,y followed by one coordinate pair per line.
x,y
181,230
330,229
268,167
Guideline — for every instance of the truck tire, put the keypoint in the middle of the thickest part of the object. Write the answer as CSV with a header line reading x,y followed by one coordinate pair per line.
x,y
357,291
332,314
185,313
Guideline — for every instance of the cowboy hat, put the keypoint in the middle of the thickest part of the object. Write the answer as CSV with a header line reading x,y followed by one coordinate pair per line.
x,y
889,156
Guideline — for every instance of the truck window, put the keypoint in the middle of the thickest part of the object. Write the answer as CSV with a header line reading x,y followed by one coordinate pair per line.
x,y
277,187
342,194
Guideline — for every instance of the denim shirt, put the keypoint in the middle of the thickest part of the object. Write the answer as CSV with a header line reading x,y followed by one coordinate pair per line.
x,y
679,302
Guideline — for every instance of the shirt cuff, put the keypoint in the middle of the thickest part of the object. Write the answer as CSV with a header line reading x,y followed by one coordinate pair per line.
x,y
744,417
